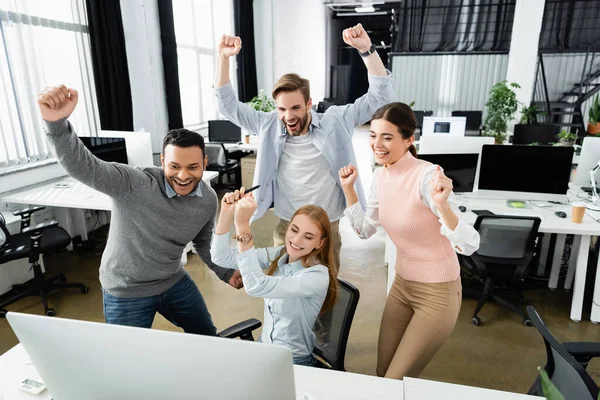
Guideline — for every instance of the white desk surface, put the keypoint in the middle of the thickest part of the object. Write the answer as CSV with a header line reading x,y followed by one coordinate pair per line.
x,y
421,389
550,222
77,195
318,383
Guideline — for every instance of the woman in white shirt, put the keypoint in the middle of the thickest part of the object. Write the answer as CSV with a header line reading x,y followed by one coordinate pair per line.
x,y
413,201
299,281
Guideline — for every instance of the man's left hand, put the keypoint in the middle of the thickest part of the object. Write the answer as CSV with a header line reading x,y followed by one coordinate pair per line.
x,y
236,280
357,37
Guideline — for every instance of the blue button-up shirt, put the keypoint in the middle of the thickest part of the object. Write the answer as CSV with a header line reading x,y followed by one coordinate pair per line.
x,y
171,193
293,296
332,133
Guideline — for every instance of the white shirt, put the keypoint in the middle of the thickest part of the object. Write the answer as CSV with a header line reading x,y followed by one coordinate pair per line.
x,y
304,177
464,238
293,295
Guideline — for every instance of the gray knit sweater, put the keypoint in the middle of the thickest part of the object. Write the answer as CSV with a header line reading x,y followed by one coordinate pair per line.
x,y
148,230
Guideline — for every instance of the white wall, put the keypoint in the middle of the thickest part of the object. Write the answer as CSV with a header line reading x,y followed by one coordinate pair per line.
x,y
522,58
447,83
144,61
290,36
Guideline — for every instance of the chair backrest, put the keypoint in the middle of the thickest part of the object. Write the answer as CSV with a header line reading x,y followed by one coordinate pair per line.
x,y
4,234
339,320
474,119
216,154
419,115
567,374
506,236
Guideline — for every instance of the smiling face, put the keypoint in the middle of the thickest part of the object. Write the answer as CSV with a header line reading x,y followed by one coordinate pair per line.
x,y
387,143
183,167
302,237
294,112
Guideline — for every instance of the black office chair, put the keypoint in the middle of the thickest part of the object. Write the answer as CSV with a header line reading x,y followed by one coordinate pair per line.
x,y
33,241
474,119
218,160
243,330
507,247
332,353
566,364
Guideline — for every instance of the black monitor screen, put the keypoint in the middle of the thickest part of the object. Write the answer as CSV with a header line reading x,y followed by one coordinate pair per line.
x,y
107,149
441,127
519,168
461,168
224,132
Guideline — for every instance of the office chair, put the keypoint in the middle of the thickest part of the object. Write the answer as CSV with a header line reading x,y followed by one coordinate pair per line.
x,y
507,246
33,241
419,115
243,330
332,352
474,119
566,364
218,160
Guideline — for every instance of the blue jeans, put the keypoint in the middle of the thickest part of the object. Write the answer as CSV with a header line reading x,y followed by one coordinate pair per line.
x,y
182,304
308,361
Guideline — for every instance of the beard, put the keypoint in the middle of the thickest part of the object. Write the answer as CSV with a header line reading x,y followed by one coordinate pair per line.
x,y
299,127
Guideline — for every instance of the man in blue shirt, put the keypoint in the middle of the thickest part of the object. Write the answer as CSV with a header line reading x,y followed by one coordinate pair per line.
x,y
300,151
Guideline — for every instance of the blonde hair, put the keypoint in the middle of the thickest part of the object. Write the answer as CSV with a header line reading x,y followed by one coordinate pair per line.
x,y
323,255
291,83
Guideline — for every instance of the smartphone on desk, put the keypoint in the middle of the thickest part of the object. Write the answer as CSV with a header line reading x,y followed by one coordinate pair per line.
x,y
483,212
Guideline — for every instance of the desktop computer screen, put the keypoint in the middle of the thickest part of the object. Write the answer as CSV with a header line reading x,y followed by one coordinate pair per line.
x,y
444,126
107,149
224,132
461,168
529,169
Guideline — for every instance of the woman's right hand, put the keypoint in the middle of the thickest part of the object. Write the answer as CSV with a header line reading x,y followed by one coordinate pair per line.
x,y
229,200
348,175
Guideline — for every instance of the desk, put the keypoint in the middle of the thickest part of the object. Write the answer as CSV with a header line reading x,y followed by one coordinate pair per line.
x,y
319,383
421,389
550,224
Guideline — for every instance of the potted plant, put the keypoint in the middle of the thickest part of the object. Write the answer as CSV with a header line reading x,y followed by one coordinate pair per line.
x,y
260,102
566,138
594,117
529,114
501,106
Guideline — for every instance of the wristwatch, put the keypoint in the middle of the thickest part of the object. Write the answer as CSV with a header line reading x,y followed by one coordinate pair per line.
x,y
368,52
245,237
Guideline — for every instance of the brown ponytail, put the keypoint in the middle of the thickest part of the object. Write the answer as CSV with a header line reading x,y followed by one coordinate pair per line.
x,y
403,117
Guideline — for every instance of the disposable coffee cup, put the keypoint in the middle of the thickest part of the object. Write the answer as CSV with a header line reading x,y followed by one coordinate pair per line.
x,y
578,212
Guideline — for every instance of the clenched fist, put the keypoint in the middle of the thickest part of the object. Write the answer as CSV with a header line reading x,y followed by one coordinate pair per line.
x,y
230,45
357,37
57,102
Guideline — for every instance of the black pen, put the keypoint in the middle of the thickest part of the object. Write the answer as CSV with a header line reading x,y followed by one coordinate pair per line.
x,y
251,189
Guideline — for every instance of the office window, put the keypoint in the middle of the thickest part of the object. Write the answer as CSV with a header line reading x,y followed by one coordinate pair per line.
x,y
42,42
199,25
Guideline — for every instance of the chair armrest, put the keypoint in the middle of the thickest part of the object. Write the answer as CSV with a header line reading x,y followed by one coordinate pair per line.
x,y
28,210
40,227
241,329
583,350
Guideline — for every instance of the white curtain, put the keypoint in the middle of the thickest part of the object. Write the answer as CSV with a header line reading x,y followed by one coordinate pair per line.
x,y
42,43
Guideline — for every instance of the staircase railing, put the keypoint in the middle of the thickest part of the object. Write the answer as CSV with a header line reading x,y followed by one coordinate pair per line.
x,y
581,98
540,94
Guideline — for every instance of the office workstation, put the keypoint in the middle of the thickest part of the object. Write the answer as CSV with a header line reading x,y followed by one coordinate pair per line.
x,y
185,102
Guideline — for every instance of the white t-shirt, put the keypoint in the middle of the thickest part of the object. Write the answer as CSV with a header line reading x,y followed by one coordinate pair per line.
x,y
304,177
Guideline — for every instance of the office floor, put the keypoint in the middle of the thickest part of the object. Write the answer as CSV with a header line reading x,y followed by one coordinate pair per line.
x,y
500,354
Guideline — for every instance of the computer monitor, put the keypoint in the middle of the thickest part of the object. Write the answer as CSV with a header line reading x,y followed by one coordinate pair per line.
x,y
444,126
224,132
83,360
524,172
434,144
473,119
590,155
107,148
535,133
461,168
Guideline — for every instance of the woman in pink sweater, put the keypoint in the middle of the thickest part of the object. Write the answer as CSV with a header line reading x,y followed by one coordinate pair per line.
x,y
412,199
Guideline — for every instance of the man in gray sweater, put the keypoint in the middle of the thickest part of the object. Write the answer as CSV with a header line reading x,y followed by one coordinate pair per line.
x,y
155,213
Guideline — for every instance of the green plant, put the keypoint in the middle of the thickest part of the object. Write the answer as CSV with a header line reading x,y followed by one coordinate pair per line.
x,y
501,105
529,114
594,111
567,136
261,102
411,104
550,391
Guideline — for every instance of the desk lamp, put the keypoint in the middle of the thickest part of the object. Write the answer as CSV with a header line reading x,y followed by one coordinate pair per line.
x,y
595,198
